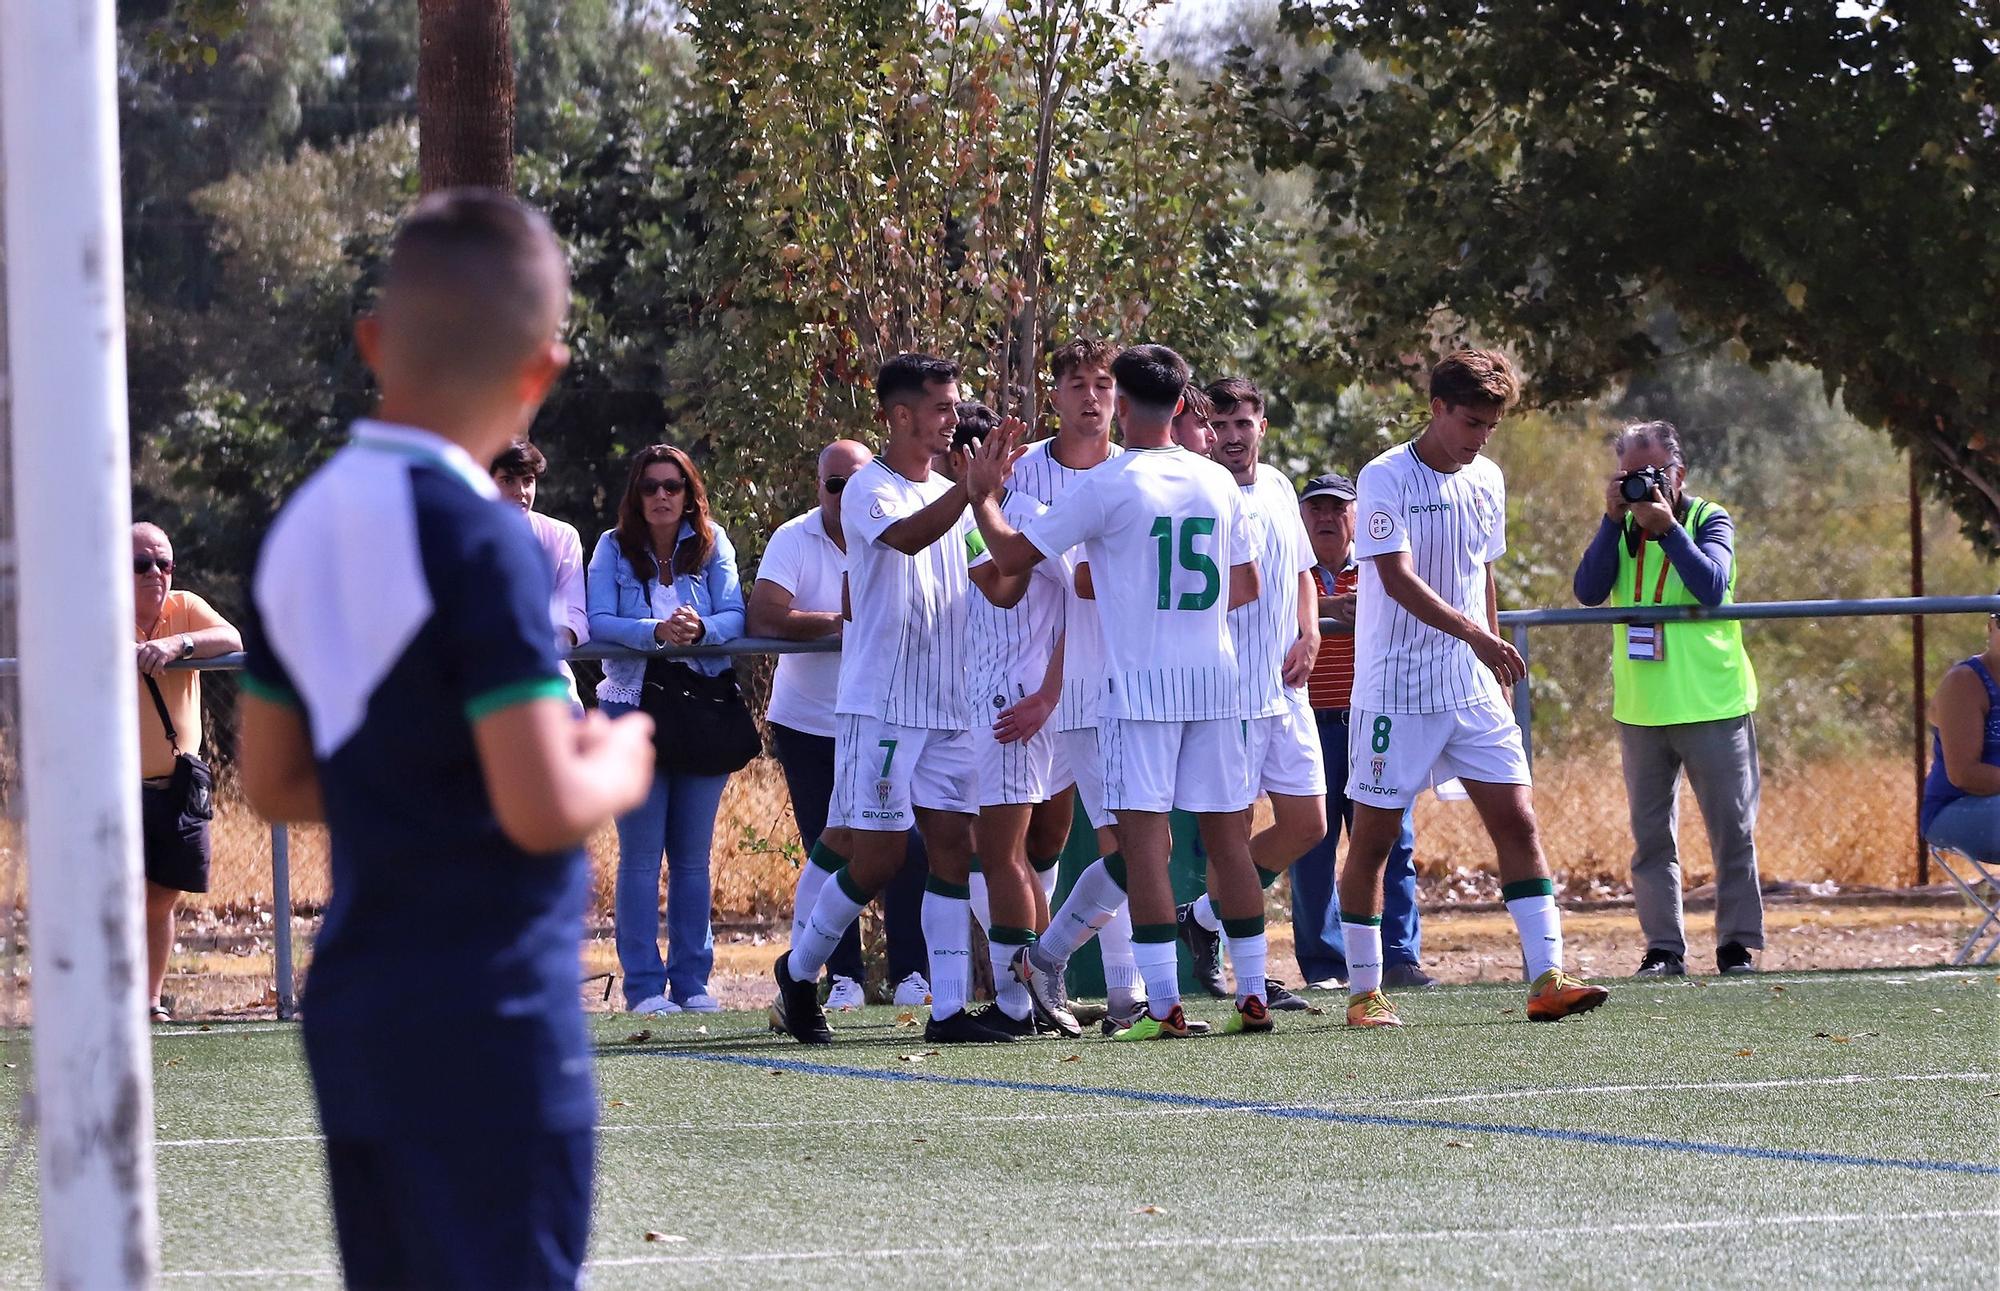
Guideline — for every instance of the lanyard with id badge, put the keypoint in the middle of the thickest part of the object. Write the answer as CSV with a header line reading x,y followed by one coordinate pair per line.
x,y
1647,642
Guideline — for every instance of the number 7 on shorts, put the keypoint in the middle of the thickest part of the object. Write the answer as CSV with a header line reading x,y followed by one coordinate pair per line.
x,y
888,748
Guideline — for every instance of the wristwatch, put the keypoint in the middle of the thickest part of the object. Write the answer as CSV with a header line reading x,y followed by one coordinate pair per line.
x,y
187,645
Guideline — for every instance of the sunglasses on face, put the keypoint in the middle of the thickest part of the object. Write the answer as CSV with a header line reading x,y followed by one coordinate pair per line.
x,y
144,565
835,483
672,488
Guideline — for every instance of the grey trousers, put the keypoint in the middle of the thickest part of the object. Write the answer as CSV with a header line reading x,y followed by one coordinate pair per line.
x,y
1721,762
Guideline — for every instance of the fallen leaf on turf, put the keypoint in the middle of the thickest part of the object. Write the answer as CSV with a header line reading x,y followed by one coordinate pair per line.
x,y
204,1027
1074,1057
906,1019
639,1037
701,1030
919,1140
777,1071
171,1062
1454,1145
1315,1011
1744,1053
1504,1012
1149,1210
616,1102
918,1057
652,1236
1777,990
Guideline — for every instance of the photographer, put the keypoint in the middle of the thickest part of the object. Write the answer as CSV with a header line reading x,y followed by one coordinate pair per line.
x,y
1682,695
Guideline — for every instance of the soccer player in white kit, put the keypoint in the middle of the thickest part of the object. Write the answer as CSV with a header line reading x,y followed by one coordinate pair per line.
x,y
902,749
1172,527
1429,667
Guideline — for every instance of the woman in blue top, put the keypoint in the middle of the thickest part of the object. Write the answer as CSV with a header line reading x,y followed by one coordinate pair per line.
x,y
665,576
1961,807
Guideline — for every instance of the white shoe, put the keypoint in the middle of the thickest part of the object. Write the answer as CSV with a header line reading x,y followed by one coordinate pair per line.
x,y
655,1004
702,1003
913,990
1325,984
845,997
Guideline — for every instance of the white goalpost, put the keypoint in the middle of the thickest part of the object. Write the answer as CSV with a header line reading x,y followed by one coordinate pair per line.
x,y
79,733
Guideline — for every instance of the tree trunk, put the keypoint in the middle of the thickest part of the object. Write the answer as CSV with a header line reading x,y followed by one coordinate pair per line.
x,y
465,95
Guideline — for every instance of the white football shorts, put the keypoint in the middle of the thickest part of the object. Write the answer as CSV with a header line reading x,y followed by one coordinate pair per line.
x,y
881,771
1158,766
1393,757
1283,751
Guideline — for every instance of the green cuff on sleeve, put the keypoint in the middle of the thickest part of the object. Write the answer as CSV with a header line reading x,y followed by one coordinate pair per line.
x,y
267,692
480,707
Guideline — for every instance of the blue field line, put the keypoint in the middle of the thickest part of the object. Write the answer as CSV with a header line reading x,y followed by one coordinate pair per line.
x,y
1337,1117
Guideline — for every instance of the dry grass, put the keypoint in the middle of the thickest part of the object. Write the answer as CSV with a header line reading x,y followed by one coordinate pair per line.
x,y
1846,821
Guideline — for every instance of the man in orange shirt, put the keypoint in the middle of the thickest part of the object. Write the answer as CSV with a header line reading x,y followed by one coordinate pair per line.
x,y
1327,506
169,626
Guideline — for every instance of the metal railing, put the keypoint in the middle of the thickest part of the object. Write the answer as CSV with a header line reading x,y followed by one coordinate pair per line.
x,y
1518,622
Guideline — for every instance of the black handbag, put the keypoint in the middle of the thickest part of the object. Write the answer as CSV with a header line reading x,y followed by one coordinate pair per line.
x,y
190,791
701,726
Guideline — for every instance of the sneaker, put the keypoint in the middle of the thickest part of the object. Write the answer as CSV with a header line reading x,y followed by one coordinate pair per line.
x,y
1045,988
1732,958
845,996
1556,995
1663,963
702,1003
996,1018
1250,1018
1113,1023
1326,984
911,991
1174,1026
963,1028
1411,976
796,1011
1205,947
1372,1010
1090,1013
653,1005
1277,997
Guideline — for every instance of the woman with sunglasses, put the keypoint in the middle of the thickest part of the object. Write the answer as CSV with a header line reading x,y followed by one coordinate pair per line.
x,y
665,576
1961,808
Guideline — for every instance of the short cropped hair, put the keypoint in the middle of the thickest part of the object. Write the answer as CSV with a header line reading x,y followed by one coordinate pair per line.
x,y
1195,400
476,282
1659,433
907,376
1230,391
976,419
1079,354
1476,376
1151,376
520,458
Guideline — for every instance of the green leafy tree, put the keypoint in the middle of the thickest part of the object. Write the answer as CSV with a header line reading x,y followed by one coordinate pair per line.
x,y
1635,179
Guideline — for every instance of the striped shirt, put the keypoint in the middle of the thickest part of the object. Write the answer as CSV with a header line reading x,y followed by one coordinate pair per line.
x,y
902,657
1007,651
1453,526
1041,476
1265,629
1161,529
1332,682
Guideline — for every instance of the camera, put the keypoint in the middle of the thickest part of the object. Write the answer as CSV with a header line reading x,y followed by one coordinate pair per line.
x,y
1639,485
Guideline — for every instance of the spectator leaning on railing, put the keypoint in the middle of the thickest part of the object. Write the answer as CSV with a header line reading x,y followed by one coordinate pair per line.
x,y
1961,808
170,626
665,576
1682,695
517,472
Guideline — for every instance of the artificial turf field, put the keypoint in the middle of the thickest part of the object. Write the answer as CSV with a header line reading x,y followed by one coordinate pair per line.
x,y
1841,1129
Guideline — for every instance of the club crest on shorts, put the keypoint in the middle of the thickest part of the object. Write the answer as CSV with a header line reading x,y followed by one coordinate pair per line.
x,y
1379,525
883,788
1377,765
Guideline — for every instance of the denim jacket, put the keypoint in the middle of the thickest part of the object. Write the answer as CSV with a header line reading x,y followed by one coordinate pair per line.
x,y
621,609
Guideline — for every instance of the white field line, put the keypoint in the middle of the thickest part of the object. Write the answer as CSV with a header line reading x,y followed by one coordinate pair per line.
x,y
1372,1105
1181,1241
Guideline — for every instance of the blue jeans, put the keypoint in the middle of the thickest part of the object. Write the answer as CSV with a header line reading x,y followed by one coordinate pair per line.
x,y
677,818
1316,936
1970,824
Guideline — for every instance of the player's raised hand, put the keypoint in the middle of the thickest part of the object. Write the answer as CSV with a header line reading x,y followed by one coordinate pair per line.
x,y
1501,657
984,468
1022,720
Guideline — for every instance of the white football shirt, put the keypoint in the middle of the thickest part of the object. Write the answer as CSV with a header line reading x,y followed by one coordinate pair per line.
x,y
802,558
902,657
1161,528
1453,526
1265,629
1043,477
1007,651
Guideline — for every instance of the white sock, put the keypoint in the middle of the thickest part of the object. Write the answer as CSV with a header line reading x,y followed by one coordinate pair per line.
x,y
1123,987
1160,964
1247,955
1204,913
1092,902
831,914
982,908
1047,878
1539,923
811,879
1009,993
947,922
1364,956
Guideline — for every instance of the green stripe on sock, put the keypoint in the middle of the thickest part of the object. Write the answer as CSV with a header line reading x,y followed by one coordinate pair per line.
x,y
1366,920
1043,867
972,867
1152,932
1527,888
1011,936
845,878
1114,865
1265,878
1251,927
826,858
956,891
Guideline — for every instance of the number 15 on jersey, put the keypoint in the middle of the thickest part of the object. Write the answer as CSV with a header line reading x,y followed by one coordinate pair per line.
x,y
1190,559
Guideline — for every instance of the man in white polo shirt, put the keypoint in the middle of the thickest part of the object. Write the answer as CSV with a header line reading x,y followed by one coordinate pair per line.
x,y
797,598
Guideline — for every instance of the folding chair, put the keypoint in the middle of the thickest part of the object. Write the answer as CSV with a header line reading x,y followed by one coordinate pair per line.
x,y
1980,882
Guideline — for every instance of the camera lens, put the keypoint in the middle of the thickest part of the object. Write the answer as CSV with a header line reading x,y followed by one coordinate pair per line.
x,y
1636,487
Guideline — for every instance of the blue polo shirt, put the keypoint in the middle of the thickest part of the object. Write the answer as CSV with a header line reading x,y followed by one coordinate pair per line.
x,y
397,602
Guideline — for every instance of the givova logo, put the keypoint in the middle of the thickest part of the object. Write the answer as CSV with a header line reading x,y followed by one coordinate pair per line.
x,y
1417,508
